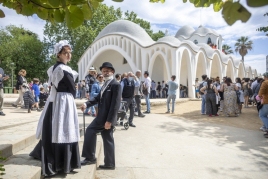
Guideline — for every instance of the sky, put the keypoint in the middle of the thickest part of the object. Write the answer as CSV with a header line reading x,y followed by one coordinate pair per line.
x,y
174,14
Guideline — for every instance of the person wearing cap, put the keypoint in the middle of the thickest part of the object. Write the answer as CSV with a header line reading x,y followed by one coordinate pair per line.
x,y
108,101
263,95
58,127
90,79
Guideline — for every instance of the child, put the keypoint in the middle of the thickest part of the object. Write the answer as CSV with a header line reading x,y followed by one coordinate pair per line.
x,y
36,93
42,97
28,98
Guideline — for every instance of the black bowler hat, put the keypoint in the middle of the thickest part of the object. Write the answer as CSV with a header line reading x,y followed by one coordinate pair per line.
x,y
107,65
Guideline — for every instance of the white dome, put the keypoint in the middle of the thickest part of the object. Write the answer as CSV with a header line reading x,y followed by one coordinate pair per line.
x,y
129,29
203,31
185,32
171,40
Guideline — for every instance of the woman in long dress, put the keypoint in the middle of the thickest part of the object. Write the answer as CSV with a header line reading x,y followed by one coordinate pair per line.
x,y
230,106
58,128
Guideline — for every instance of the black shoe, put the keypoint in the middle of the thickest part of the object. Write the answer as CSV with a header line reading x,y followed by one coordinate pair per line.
x,y
132,125
2,114
141,115
88,162
105,167
146,112
14,105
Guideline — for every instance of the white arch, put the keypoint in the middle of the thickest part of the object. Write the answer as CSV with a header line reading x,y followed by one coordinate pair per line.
x,y
181,52
230,64
152,61
204,64
241,70
218,68
106,48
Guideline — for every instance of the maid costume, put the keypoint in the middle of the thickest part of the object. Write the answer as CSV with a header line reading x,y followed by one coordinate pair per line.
x,y
58,127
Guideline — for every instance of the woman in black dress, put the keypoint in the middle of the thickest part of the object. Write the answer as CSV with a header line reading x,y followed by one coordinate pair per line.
x,y
58,128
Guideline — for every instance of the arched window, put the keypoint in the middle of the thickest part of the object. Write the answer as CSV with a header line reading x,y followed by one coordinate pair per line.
x,y
209,41
195,41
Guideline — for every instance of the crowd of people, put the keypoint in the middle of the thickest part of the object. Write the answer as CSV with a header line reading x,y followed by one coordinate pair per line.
x,y
231,97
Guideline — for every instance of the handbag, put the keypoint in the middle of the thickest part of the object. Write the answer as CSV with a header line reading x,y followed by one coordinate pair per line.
x,y
144,90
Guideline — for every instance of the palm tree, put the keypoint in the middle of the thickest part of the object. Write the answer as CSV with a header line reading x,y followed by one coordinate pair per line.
x,y
227,49
243,45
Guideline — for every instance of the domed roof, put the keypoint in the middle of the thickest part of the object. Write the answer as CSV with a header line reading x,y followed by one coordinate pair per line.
x,y
203,31
185,32
170,40
127,28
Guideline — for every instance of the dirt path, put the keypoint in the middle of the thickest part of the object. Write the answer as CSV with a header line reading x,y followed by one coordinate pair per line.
x,y
191,111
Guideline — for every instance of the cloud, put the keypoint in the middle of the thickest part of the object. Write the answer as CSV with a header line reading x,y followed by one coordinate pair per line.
x,y
257,62
32,23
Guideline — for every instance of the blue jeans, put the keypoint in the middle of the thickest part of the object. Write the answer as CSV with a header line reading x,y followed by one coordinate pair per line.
x,y
263,112
147,100
203,105
173,98
92,110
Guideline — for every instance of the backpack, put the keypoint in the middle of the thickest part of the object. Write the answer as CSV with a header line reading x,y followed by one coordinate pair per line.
x,y
201,86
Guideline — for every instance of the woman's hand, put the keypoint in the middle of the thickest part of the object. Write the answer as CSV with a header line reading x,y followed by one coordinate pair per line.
x,y
83,107
107,125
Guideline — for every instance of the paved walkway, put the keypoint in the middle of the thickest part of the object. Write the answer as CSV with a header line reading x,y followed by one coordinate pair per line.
x,y
166,147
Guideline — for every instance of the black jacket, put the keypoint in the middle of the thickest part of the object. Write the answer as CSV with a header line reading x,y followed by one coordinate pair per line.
x,y
20,81
108,104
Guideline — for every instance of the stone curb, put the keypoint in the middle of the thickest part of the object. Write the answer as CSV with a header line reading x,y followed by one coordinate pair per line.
x,y
31,167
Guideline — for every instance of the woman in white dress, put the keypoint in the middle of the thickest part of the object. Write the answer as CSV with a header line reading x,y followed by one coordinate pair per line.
x,y
241,94
58,127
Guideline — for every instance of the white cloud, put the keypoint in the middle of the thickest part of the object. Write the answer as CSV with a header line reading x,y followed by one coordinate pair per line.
x,y
257,62
33,24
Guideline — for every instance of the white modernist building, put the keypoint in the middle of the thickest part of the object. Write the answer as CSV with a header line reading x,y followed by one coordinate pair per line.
x,y
187,54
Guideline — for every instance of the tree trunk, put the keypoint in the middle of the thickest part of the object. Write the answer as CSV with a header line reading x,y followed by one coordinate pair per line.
x,y
242,58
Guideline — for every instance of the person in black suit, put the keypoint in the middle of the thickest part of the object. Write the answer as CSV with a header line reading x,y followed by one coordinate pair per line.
x,y
108,101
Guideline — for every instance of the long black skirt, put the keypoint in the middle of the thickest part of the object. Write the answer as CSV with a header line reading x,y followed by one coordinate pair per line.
x,y
55,157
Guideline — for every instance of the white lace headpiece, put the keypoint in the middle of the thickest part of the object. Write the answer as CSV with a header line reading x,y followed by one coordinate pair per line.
x,y
58,46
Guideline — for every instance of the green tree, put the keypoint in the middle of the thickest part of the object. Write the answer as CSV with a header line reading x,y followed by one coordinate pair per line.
x,y
264,29
242,46
81,37
227,49
74,12
22,48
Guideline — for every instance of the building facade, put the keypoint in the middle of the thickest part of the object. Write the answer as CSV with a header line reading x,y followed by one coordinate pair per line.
x,y
188,55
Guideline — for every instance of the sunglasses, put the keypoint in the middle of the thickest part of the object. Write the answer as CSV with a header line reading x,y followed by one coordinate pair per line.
x,y
100,76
